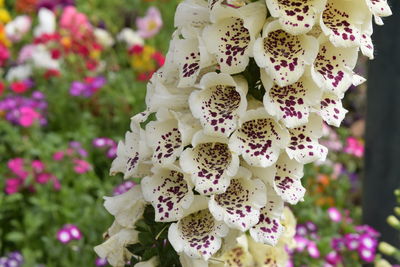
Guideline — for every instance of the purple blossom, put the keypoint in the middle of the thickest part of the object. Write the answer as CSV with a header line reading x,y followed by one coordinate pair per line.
x,y
101,262
124,187
87,88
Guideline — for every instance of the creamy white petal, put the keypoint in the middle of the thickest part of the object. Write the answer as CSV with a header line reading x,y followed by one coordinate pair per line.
x,y
133,152
379,8
331,110
191,17
239,207
198,235
282,55
231,37
268,256
342,21
153,262
210,163
238,256
168,190
220,102
296,16
165,138
292,103
333,68
287,183
127,208
269,229
259,139
304,146
113,249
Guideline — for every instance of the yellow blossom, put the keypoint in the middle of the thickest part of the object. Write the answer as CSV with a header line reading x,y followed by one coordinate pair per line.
x,y
4,16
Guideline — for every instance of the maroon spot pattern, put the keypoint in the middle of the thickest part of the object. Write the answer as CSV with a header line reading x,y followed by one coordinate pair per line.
x,y
199,231
233,43
219,109
303,145
285,52
338,21
258,138
290,100
287,184
167,145
330,66
269,227
191,65
212,161
236,203
299,14
169,193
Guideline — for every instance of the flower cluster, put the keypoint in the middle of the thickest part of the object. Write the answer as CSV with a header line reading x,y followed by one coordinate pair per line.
x,y
106,144
13,259
87,88
24,111
363,242
68,233
145,60
21,171
239,107
76,155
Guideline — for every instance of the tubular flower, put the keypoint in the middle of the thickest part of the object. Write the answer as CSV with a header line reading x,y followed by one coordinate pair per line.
x,y
235,112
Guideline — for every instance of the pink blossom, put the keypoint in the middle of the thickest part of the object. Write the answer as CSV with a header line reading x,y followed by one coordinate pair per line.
x,y
4,55
56,184
366,255
37,165
313,250
81,166
334,214
13,185
28,116
77,23
64,236
43,178
301,243
26,53
16,165
150,24
74,231
354,147
333,258
59,155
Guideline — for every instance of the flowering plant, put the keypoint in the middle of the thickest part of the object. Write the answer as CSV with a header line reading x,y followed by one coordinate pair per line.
x,y
235,113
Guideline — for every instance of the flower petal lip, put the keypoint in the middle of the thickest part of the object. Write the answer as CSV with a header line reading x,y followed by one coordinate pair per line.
x,y
219,103
165,138
127,207
287,180
239,206
333,68
198,235
259,139
291,104
304,146
168,190
269,229
284,56
232,35
296,16
342,22
210,163
191,17
331,109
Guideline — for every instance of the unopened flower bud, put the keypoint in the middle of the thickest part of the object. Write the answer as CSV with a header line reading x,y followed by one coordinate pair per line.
x,y
386,248
393,221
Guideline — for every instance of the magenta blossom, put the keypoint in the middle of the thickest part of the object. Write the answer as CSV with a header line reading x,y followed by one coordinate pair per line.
x,y
81,166
354,147
149,25
313,250
334,214
64,236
